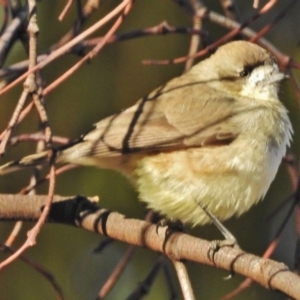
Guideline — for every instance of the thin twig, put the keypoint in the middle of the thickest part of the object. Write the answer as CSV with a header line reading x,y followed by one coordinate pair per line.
x,y
58,172
36,137
272,23
65,10
40,269
161,29
13,234
5,16
30,83
255,4
184,280
199,11
170,282
5,135
32,234
230,9
91,54
11,34
115,275
83,14
62,50
227,37
144,287
119,269
194,43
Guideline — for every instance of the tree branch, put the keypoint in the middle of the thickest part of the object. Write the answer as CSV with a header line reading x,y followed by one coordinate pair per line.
x,y
84,213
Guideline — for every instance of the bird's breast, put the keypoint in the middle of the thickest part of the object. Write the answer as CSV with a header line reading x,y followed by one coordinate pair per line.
x,y
227,180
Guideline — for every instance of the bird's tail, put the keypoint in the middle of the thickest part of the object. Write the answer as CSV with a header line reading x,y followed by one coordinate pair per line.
x,y
27,161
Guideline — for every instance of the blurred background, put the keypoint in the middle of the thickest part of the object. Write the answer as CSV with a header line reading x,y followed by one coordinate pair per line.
x,y
112,81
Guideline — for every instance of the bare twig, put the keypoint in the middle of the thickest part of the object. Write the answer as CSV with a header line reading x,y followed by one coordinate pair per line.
x,y
145,285
268,6
119,269
40,269
5,16
83,14
30,86
184,280
13,234
117,272
58,172
65,10
227,37
36,137
62,50
255,4
161,29
199,11
170,282
195,42
11,34
91,54
14,119
32,234
230,9
271,24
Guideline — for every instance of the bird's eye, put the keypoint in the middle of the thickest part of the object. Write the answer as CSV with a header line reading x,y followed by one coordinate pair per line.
x,y
245,73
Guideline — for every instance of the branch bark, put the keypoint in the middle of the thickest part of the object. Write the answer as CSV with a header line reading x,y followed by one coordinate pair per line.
x,y
85,213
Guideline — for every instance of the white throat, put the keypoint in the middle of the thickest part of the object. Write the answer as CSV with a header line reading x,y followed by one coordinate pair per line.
x,y
262,83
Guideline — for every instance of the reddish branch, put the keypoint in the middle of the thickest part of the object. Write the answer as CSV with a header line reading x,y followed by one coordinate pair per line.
x,y
65,48
39,268
91,54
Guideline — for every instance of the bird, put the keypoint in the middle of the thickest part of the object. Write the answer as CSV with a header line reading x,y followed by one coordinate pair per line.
x,y
211,138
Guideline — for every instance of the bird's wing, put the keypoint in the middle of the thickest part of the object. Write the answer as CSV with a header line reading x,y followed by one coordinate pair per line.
x,y
162,122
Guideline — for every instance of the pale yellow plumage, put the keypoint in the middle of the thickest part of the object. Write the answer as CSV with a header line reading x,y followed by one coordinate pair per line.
x,y
213,137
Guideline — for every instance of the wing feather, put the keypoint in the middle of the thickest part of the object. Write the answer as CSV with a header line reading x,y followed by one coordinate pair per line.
x,y
198,116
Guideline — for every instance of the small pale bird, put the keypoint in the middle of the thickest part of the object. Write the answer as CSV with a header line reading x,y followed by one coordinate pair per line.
x,y
213,137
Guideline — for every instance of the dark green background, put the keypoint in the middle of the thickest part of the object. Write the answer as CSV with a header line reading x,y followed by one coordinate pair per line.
x,y
112,81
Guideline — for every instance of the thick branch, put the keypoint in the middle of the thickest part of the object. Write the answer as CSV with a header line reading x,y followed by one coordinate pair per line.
x,y
84,213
